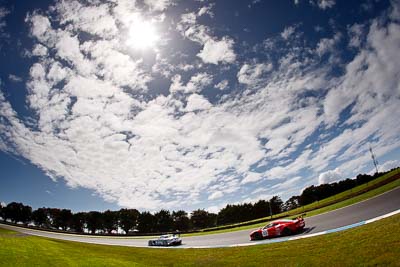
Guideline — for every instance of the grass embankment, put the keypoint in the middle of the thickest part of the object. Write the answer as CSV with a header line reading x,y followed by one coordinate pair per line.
x,y
370,245
362,192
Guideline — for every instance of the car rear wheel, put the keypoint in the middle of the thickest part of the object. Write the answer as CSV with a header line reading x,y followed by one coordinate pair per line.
x,y
286,232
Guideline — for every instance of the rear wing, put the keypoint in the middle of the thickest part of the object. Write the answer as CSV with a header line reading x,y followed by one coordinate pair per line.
x,y
300,217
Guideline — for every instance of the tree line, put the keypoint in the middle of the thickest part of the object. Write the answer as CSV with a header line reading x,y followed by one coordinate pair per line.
x,y
132,221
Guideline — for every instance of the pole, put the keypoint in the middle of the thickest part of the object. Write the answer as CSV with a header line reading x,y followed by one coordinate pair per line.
x,y
374,159
270,210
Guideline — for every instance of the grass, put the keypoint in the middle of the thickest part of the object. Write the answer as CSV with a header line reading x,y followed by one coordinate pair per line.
x,y
374,244
346,198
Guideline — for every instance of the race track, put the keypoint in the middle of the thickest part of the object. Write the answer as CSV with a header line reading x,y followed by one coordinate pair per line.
x,y
368,209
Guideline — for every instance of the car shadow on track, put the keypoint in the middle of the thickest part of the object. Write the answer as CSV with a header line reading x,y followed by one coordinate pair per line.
x,y
306,230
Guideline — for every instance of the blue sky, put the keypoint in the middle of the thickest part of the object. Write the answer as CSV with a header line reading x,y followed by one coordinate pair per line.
x,y
154,104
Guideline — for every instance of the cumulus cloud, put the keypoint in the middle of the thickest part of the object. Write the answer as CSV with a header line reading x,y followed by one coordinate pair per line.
x,y
39,50
222,85
215,52
196,83
330,176
252,74
197,102
326,45
206,10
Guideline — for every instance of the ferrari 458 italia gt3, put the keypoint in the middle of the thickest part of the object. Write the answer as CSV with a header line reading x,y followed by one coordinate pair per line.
x,y
282,227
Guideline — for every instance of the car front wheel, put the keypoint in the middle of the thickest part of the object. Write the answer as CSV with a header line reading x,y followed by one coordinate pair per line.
x,y
257,236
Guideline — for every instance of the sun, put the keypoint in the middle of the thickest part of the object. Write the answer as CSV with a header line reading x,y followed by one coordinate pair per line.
x,y
142,35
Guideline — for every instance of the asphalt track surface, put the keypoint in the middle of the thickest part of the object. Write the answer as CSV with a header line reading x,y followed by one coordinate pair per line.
x,y
365,210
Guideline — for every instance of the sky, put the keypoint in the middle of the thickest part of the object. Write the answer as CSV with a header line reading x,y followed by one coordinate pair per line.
x,y
172,104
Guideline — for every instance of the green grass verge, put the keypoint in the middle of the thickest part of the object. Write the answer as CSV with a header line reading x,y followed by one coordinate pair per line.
x,y
374,244
346,198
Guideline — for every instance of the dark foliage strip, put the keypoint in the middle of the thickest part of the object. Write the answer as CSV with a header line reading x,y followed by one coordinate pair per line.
x,y
131,221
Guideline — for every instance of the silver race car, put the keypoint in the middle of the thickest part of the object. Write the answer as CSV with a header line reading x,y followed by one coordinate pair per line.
x,y
166,240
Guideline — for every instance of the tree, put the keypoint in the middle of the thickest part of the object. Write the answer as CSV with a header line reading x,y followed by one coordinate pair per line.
x,y
202,219
2,210
261,209
164,221
110,221
94,221
65,218
39,217
26,214
146,222
227,215
18,212
308,195
292,203
78,221
212,220
276,204
54,217
128,219
181,221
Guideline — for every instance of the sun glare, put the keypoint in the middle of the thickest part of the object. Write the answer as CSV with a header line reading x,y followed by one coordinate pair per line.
x,y
142,35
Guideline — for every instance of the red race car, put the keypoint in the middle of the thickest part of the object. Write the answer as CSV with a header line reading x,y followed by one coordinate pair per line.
x,y
282,227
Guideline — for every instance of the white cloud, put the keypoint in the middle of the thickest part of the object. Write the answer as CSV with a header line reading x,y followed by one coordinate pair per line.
x,y
395,10
41,28
222,85
95,19
326,45
289,186
14,78
206,10
215,52
251,178
197,102
287,32
214,209
355,33
388,165
39,50
252,74
330,176
216,195
189,28
323,4
158,5
196,83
